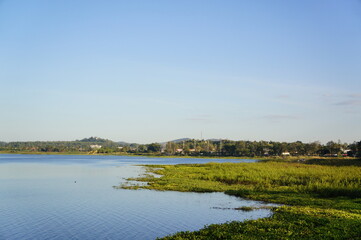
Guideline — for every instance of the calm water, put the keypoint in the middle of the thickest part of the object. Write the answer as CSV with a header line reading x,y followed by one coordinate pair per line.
x,y
71,197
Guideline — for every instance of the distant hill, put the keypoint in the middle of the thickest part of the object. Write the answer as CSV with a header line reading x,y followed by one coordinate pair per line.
x,y
177,140
187,139
94,140
122,143
180,140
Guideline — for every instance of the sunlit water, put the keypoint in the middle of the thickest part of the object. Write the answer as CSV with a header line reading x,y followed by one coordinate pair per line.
x,y
72,197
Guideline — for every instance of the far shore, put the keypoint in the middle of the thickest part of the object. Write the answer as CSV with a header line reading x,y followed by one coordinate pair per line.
x,y
119,154
273,158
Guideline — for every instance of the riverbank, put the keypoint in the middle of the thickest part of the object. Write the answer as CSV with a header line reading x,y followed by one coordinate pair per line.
x,y
126,155
323,196
270,158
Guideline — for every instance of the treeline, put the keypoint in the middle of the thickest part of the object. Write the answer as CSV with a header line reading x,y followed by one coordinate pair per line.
x,y
260,148
84,145
190,147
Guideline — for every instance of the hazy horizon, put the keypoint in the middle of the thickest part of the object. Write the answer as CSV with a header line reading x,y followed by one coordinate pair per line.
x,y
170,140
153,71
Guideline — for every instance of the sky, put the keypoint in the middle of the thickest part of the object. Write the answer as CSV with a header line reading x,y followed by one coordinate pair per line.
x,y
152,71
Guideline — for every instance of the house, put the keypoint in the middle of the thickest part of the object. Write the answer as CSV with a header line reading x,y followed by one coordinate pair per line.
x,y
95,146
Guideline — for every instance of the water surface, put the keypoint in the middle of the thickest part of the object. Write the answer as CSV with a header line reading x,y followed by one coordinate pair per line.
x,y
71,197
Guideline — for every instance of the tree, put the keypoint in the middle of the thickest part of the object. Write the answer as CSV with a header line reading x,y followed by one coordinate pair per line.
x,y
170,148
312,148
278,148
229,149
154,147
358,149
333,147
241,149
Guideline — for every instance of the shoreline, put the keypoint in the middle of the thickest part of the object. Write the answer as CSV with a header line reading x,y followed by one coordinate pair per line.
x,y
128,155
270,158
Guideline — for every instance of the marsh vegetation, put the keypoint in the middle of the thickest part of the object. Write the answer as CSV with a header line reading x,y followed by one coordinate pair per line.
x,y
322,197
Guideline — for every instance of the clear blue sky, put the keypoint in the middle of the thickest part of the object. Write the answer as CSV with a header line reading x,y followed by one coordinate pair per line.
x,y
152,71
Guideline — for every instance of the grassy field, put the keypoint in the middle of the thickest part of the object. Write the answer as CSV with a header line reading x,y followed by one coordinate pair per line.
x,y
322,197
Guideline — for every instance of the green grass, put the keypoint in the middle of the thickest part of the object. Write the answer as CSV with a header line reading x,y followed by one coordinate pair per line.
x,y
323,196
286,223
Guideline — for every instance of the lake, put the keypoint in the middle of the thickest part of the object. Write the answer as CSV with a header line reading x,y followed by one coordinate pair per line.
x,y
72,197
